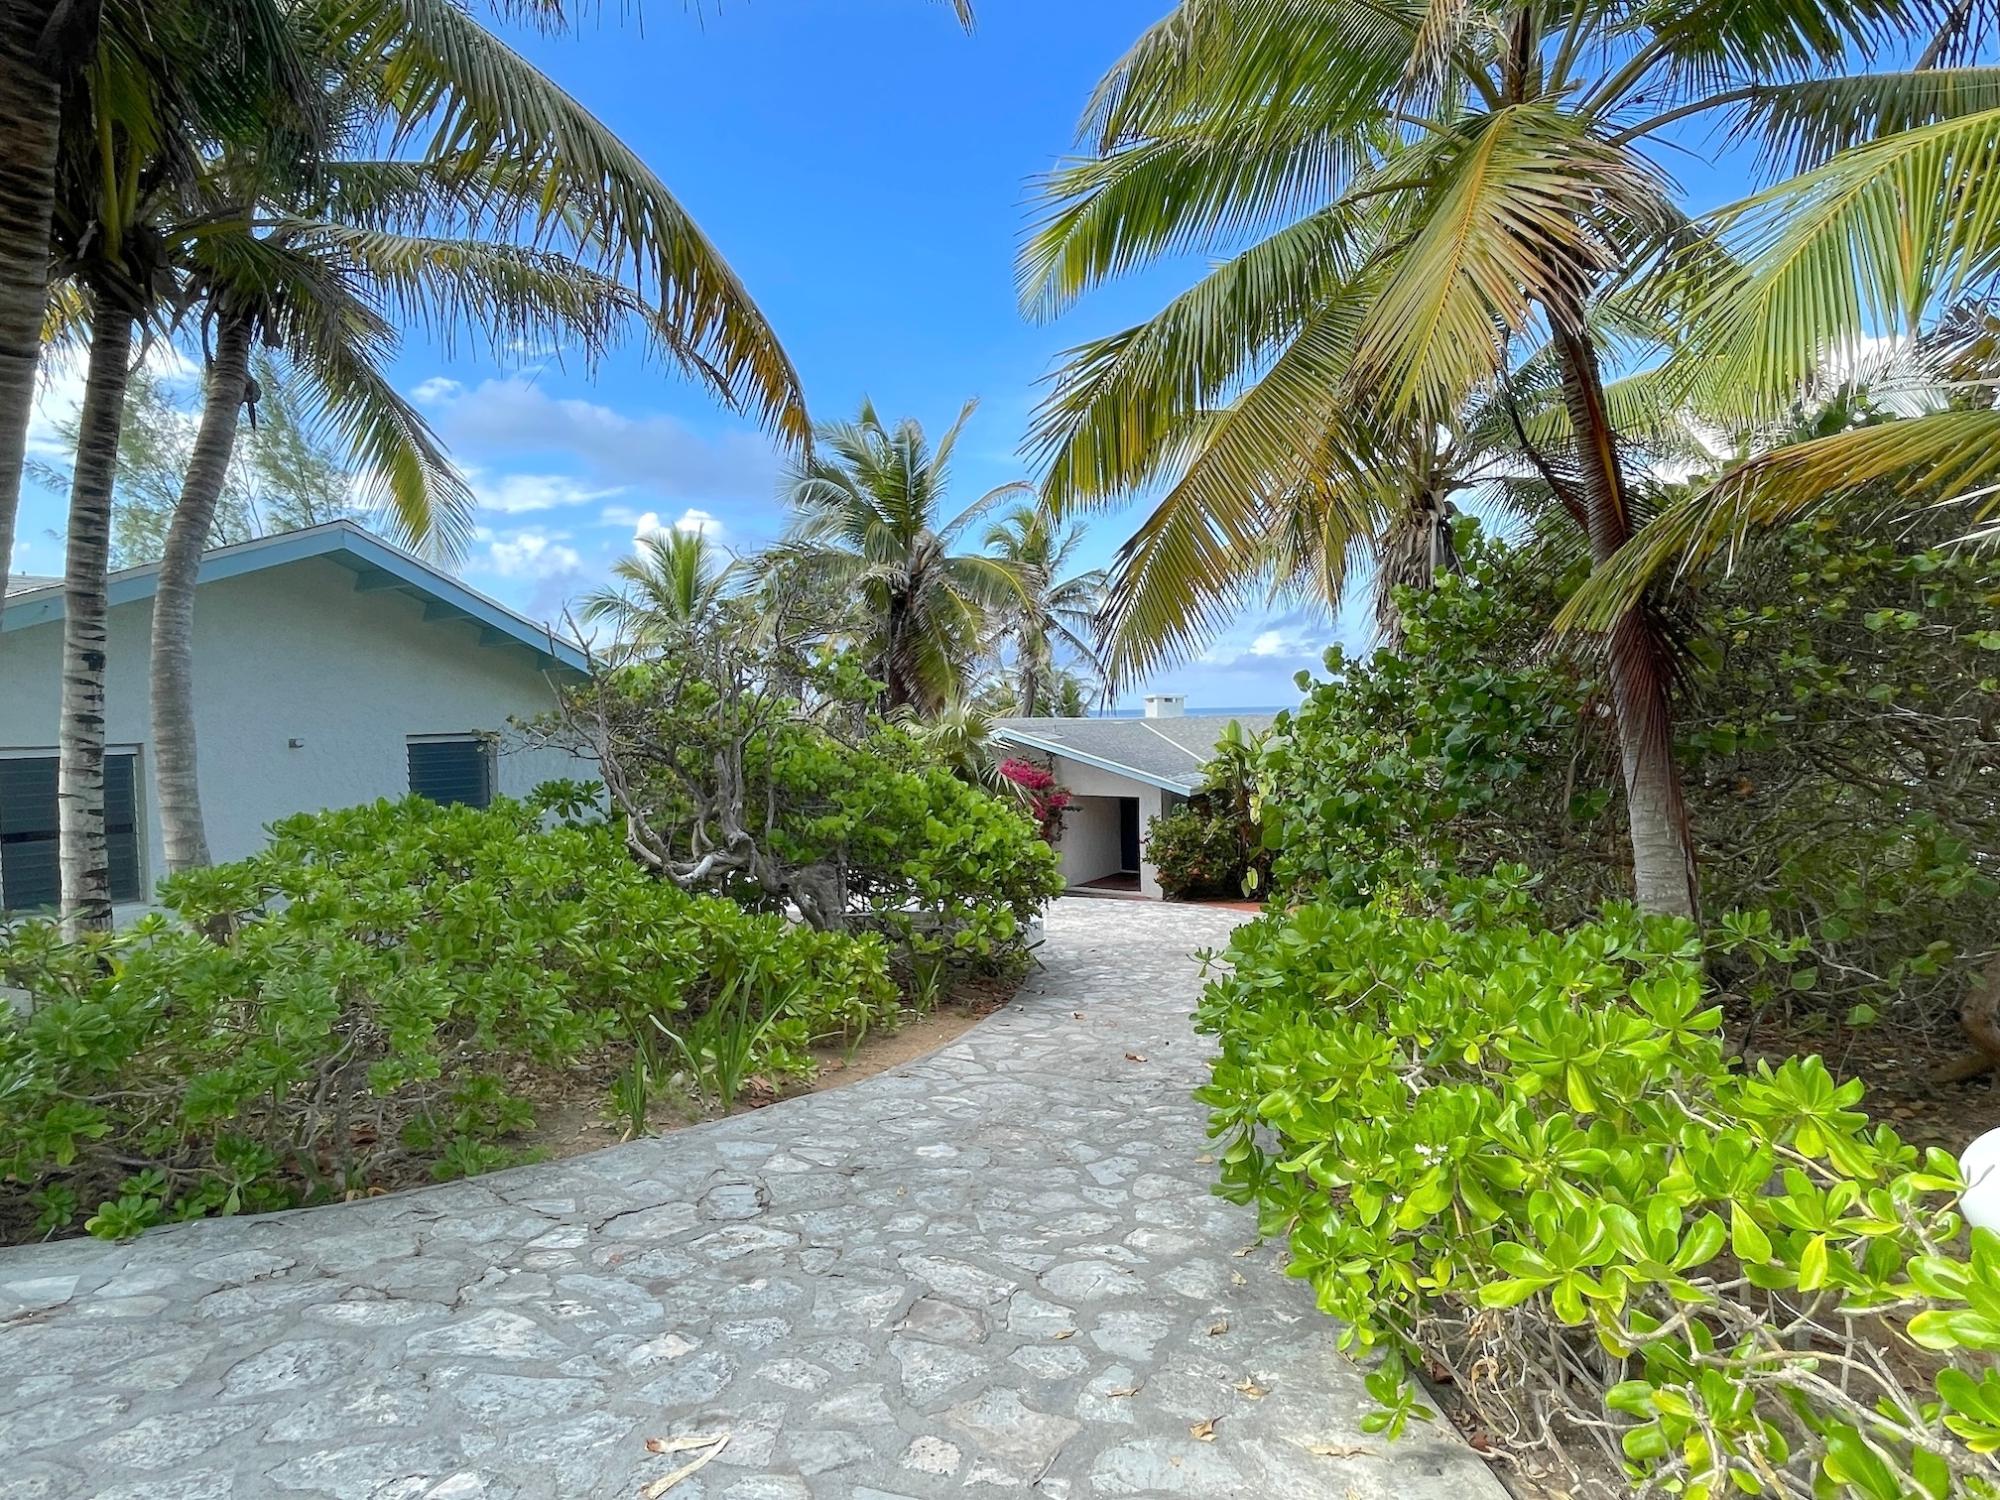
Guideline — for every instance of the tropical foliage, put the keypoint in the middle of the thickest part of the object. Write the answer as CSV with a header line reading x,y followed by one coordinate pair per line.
x,y
384,975
1213,844
1521,1158
870,525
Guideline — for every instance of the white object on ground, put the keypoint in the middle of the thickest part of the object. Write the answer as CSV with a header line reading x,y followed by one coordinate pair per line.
x,y
1980,1162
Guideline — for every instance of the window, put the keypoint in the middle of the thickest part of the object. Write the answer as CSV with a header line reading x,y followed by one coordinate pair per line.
x,y
29,875
454,768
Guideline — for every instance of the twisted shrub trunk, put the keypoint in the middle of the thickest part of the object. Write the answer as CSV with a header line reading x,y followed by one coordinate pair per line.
x,y
1663,865
28,117
177,788
83,862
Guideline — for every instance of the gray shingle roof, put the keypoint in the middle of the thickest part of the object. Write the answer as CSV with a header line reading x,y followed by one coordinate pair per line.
x,y
1169,753
27,583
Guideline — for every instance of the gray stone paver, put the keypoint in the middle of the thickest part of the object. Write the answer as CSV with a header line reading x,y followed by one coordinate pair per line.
x,y
996,1269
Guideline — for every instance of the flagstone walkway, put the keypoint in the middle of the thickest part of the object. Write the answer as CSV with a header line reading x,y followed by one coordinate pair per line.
x,y
998,1269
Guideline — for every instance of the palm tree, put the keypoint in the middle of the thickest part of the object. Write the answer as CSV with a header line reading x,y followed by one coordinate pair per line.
x,y
672,585
512,155
126,132
1055,613
867,527
30,102
329,295
440,73
1448,182
1889,242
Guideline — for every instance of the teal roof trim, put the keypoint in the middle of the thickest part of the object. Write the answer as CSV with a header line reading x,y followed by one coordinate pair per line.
x,y
376,564
1011,736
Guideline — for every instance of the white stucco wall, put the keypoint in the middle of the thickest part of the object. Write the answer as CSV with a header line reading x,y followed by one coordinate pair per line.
x,y
1090,782
1088,848
295,652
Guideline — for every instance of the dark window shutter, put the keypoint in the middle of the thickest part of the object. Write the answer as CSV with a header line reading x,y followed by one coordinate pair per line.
x,y
452,771
121,826
29,874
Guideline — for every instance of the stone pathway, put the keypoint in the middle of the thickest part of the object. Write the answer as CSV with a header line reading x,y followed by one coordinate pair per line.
x,y
997,1269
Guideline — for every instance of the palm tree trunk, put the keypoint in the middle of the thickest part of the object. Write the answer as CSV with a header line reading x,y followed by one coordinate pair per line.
x,y
176,788
1031,682
85,869
28,104
1663,864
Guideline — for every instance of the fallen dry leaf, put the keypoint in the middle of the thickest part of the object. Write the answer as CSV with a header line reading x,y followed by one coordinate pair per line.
x,y
1076,1015
1237,1278
1123,1390
660,1486
1064,1333
1246,1250
1204,1161
1175,1460
1248,1387
1338,1450
679,1444
1218,1327
1135,1057
1203,1432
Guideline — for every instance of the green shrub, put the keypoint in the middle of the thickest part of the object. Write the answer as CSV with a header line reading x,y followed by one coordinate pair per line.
x,y
1213,844
1521,1155
1837,734
1460,752
1197,853
379,973
773,781
941,868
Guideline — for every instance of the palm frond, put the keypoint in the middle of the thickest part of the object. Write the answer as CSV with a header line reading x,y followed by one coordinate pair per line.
x,y
1952,455
1858,250
1122,405
478,101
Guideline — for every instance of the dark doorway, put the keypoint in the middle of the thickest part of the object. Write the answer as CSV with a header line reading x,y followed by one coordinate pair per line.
x,y
1128,834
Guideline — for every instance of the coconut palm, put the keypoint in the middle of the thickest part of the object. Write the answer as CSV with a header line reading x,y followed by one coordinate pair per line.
x,y
1449,183
1057,614
164,62
867,505
476,105
673,584
1891,243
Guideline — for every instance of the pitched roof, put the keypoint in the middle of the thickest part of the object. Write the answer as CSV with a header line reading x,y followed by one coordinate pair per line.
x,y
377,565
24,583
1171,754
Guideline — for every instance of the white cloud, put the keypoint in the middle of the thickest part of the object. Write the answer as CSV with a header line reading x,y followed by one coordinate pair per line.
x,y
654,453
532,554
519,494
1276,643
436,391
692,522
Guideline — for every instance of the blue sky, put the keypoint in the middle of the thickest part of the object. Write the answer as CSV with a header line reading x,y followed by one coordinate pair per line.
x,y
865,167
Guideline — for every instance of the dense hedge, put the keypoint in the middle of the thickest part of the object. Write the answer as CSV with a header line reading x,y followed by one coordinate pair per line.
x,y
1520,1156
378,972
1839,737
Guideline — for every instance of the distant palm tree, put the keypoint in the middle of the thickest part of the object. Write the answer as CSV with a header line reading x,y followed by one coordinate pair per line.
x,y
1056,613
673,583
866,527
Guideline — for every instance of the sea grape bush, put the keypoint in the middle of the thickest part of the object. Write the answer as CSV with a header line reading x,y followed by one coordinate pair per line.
x,y
1520,1156
346,1007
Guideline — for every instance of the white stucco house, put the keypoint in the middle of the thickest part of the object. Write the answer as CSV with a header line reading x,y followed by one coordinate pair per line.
x,y
1122,773
331,668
